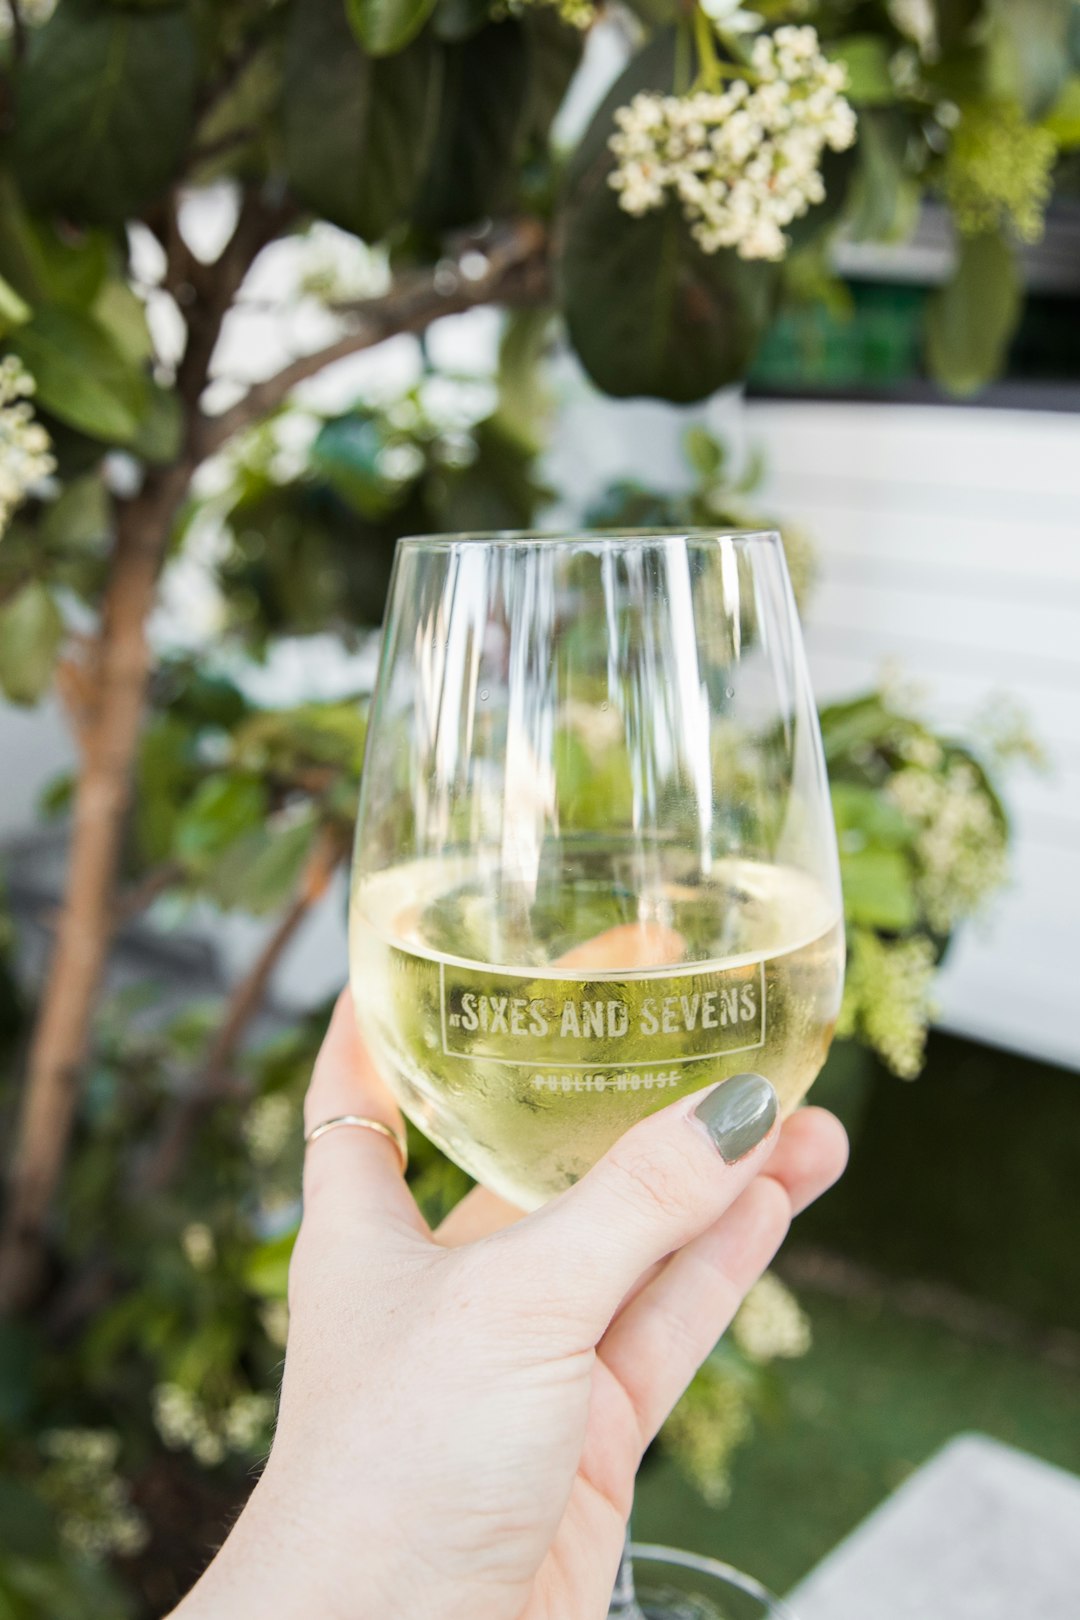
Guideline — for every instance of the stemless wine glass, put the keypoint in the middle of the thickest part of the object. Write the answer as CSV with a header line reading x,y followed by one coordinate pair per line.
x,y
595,863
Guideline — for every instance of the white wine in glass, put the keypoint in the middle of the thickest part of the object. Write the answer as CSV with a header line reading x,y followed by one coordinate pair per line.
x,y
526,1066
595,859
595,863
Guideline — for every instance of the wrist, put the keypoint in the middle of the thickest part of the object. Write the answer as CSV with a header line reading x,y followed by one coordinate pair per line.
x,y
283,1563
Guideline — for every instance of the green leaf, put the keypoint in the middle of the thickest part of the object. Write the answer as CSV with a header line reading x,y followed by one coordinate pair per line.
x,y
161,430
954,20
865,816
878,889
223,809
357,131
646,310
266,1270
498,490
82,377
555,51
163,775
1063,120
121,313
853,727
385,26
14,311
594,791
705,453
78,518
259,871
47,264
883,198
105,107
525,400
866,57
31,630
237,124
346,453
481,114
29,1530
1029,45
970,321
20,1350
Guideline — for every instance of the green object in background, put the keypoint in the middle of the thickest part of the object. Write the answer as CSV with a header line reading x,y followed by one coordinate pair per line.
x,y
995,1206
878,345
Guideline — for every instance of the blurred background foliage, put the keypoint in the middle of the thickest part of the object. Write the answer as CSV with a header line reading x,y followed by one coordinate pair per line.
x,y
135,1405
408,152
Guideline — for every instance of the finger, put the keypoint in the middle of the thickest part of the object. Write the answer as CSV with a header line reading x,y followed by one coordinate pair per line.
x,y
477,1215
809,1137
811,1155
668,1178
656,1344
352,1175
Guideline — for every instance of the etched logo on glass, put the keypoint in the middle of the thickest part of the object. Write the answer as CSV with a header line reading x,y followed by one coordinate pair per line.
x,y
582,1024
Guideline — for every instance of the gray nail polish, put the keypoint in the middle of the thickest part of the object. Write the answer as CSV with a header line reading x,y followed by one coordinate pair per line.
x,y
739,1114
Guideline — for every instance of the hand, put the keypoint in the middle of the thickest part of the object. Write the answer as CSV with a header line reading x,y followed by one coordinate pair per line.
x,y
463,1412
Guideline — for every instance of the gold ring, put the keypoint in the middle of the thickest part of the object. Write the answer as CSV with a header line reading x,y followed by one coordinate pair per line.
x,y
365,1124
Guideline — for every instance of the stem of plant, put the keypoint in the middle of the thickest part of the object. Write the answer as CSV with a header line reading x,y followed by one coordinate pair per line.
x,y
86,920
118,679
708,61
712,69
119,671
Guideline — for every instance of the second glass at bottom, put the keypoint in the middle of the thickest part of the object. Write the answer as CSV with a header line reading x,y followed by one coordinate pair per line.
x,y
675,1585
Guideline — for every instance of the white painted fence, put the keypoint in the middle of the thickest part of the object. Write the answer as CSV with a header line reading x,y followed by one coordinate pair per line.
x,y
950,544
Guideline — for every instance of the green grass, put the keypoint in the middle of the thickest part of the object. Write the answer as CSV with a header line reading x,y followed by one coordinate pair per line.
x,y
876,1396
968,1177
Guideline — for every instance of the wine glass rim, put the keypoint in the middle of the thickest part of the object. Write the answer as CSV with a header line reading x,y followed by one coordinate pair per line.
x,y
584,537
650,1552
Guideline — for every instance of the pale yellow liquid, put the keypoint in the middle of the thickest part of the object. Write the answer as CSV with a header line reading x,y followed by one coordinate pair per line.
x,y
614,999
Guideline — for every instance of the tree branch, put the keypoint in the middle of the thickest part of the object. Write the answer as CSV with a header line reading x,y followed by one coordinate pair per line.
x,y
115,695
215,1082
515,270
257,223
135,900
18,29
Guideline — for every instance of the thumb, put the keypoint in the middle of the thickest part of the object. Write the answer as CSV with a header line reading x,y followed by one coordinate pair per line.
x,y
670,1177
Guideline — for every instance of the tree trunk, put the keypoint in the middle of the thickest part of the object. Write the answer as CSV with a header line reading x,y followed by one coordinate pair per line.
x,y
87,919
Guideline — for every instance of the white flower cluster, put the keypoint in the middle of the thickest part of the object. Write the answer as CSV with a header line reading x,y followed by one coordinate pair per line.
x,y
24,444
274,1316
186,1424
197,1242
708,1426
743,162
888,997
92,1501
577,13
270,1124
771,1323
961,845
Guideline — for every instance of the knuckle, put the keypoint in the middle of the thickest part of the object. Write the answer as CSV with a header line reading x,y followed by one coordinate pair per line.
x,y
777,1201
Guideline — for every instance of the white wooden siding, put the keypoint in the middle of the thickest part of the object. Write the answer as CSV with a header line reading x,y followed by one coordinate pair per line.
x,y
949,542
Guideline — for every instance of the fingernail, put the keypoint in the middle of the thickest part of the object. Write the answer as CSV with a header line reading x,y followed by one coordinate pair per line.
x,y
738,1114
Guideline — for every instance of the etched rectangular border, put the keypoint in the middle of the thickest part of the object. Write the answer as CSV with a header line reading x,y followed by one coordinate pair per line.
x,y
646,1063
